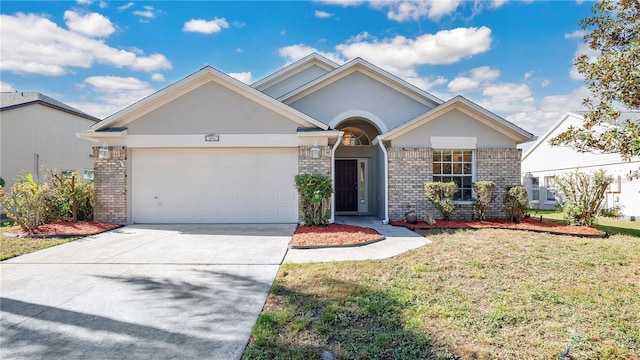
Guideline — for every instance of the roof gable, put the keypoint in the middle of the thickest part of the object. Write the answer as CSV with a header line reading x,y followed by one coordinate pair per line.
x,y
470,108
203,76
295,68
12,100
368,69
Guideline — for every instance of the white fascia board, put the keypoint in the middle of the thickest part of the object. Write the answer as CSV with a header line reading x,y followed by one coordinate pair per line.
x,y
548,133
102,135
198,141
331,134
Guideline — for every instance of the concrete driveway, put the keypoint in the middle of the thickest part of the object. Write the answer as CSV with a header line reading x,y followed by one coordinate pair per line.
x,y
141,292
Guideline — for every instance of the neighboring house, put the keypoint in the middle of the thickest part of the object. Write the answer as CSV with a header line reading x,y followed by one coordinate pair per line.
x,y
542,164
212,149
38,132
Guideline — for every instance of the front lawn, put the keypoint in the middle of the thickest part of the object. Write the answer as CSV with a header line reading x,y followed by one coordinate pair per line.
x,y
471,294
16,246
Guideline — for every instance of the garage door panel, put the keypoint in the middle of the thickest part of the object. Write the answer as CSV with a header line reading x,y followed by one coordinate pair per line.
x,y
214,186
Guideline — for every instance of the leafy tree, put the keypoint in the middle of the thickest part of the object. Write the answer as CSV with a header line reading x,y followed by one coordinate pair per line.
x,y
583,195
315,197
613,78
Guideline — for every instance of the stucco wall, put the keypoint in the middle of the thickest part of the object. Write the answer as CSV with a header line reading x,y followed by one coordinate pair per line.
x,y
294,81
213,108
360,92
50,133
454,123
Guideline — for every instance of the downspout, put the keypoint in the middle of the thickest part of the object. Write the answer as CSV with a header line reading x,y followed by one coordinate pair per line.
x,y
386,179
333,176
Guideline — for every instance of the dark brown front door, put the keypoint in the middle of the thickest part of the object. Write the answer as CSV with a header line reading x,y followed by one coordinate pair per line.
x,y
346,185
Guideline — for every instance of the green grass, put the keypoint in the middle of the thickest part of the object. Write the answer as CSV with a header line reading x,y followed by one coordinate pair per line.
x,y
12,247
482,294
611,226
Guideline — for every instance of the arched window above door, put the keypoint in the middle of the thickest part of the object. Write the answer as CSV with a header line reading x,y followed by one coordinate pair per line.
x,y
354,136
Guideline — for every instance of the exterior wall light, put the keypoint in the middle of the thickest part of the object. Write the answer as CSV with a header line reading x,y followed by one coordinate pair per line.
x,y
315,151
212,137
104,152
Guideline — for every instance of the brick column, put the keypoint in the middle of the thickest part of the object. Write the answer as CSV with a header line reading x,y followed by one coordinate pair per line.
x,y
110,183
409,169
309,165
501,166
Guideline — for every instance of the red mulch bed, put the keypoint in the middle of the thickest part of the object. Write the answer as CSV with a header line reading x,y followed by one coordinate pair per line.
x,y
526,224
332,235
65,229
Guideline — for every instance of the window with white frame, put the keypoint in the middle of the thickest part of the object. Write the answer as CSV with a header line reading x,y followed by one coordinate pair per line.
x,y
88,174
456,166
535,189
550,188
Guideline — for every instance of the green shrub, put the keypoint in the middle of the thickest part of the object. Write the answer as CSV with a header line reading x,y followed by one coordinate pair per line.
x,y
583,194
485,194
440,194
516,203
2,183
26,203
70,199
315,197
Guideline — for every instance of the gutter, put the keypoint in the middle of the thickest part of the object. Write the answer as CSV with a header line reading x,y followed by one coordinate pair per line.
x,y
333,176
379,139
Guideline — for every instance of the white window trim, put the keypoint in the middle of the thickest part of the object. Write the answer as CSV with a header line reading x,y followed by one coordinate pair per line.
x,y
473,167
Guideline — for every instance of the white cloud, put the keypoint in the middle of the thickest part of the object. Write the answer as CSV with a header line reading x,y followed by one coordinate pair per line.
x,y
416,9
294,53
158,77
103,4
34,44
114,92
507,97
400,55
529,74
583,48
479,75
462,84
343,3
578,34
84,2
322,14
426,83
245,77
148,13
498,3
205,27
6,87
545,83
125,6
92,24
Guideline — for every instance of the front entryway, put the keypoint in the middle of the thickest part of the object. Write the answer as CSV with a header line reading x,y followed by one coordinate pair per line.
x,y
346,185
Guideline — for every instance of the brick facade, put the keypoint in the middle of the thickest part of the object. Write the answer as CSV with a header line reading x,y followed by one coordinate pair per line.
x,y
410,168
309,165
111,186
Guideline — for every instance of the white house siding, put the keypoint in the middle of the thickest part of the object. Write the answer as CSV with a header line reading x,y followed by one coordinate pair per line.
x,y
212,108
458,124
543,160
51,134
357,91
294,81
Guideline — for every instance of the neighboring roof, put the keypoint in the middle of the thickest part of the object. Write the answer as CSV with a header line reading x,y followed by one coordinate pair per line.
x,y
205,75
460,102
361,65
12,100
579,117
294,68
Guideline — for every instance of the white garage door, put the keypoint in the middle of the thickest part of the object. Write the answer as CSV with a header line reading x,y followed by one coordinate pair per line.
x,y
214,186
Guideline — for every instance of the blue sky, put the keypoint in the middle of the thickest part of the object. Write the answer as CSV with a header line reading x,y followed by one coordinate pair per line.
x,y
512,57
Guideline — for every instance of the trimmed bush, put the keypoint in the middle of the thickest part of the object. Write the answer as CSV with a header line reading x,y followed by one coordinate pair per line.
x,y
583,195
26,203
440,194
485,194
315,197
516,203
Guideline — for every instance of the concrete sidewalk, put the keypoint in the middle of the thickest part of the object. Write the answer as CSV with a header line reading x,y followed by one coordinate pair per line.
x,y
397,241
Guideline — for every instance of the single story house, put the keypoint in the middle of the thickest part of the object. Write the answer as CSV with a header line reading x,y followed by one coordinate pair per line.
x,y
38,132
211,149
542,164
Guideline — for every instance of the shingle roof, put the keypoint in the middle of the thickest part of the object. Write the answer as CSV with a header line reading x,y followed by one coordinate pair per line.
x,y
11,100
